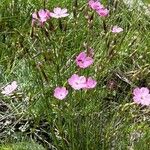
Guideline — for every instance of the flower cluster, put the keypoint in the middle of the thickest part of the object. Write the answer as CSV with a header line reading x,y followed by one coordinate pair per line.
x,y
99,8
80,82
141,96
43,15
83,60
40,17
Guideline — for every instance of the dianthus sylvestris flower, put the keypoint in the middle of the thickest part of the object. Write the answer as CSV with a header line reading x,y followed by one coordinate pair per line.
x,y
116,29
141,96
95,5
9,89
90,83
77,82
99,8
83,60
40,17
60,93
59,13
103,12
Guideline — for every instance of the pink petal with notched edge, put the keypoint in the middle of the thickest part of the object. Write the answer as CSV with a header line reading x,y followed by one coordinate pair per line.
x,y
82,55
88,61
14,85
57,10
137,99
144,91
103,12
64,10
59,13
136,91
64,15
73,78
146,100
54,15
34,15
90,83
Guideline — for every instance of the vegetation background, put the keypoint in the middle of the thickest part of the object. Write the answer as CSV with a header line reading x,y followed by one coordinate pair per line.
x,y
40,59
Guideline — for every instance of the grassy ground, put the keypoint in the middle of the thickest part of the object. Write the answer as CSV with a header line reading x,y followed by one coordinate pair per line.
x,y
103,118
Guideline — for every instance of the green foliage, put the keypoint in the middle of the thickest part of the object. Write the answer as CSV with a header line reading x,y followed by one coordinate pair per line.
x,y
22,146
100,119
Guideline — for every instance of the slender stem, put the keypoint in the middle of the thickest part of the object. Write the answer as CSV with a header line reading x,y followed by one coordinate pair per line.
x,y
104,26
44,4
60,24
75,4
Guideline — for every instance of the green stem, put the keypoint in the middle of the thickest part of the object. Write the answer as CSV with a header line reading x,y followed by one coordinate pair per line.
x,y
60,24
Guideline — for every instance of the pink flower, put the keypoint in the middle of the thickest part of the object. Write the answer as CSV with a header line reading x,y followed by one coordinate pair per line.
x,y
100,9
40,17
59,13
77,82
116,29
44,15
95,5
90,83
84,61
10,88
103,12
141,96
60,93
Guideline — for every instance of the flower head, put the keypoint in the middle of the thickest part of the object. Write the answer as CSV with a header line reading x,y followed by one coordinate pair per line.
x,y
99,8
60,93
141,96
103,12
116,29
90,83
95,5
59,13
40,17
84,61
10,88
77,82
44,15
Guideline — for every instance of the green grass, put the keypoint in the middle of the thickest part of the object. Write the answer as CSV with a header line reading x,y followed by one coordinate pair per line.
x,y
22,146
100,119
147,1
